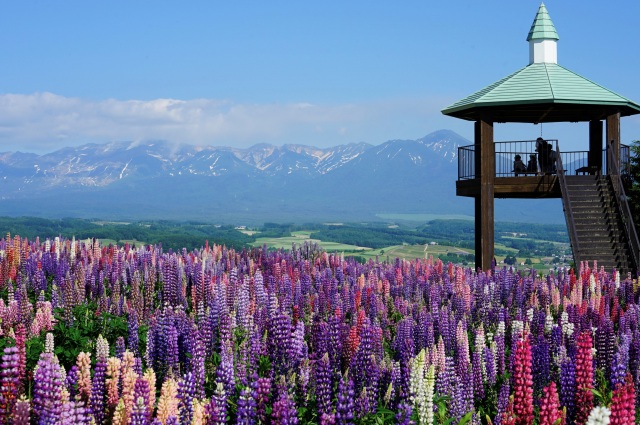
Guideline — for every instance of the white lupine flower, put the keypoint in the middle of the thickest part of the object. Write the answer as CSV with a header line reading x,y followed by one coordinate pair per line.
x,y
516,328
530,315
548,323
501,328
102,348
418,386
592,283
599,416
48,343
617,281
430,387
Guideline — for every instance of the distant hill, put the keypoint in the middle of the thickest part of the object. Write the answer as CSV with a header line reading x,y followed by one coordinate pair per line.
x,y
290,183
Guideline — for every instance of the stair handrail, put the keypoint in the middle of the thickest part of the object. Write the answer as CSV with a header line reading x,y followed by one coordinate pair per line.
x,y
623,207
568,213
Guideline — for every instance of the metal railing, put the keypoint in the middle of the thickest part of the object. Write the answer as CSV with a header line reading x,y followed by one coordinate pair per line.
x,y
623,206
573,162
568,213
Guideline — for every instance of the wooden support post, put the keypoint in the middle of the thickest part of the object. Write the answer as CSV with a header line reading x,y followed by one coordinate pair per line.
x,y
613,136
484,203
595,144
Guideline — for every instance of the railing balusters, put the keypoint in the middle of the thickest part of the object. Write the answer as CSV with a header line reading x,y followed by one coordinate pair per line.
x,y
506,152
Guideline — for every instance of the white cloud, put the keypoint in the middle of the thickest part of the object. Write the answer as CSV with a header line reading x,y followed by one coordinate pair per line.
x,y
43,122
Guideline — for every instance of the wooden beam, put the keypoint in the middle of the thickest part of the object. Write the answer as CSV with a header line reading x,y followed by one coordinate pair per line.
x,y
484,202
595,144
613,136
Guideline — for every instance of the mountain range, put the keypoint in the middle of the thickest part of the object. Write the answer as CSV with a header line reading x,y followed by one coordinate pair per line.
x,y
289,183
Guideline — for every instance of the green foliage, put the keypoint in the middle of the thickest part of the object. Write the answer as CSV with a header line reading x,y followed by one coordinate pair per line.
x,y
81,335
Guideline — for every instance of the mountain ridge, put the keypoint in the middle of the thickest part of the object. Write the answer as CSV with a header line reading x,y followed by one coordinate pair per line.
x,y
292,182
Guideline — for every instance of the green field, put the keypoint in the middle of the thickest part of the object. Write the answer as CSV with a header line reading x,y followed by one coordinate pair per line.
x,y
408,252
299,238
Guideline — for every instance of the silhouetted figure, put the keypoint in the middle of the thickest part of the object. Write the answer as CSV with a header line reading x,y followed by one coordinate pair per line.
x,y
532,164
518,165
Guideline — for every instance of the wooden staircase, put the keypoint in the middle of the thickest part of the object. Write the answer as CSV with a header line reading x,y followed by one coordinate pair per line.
x,y
596,224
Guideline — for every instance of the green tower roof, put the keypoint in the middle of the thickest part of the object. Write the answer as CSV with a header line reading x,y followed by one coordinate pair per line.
x,y
542,27
542,92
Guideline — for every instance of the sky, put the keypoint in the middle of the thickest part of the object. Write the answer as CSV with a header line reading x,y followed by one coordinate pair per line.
x,y
319,73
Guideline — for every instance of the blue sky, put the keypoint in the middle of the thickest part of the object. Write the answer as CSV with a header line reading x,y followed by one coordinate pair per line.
x,y
310,72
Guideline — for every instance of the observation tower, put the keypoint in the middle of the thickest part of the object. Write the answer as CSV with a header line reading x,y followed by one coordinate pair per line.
x,y
590,182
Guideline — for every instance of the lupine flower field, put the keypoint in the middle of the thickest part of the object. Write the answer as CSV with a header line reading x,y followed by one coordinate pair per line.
x,y
96,334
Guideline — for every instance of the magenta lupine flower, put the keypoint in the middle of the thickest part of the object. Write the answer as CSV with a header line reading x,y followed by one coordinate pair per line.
x,y
623,404
523,383
584,378
550,411
21,340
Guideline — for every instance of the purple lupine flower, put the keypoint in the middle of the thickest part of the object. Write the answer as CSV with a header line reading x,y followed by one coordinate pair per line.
x,y
22,412
324,386
217,408
225,373
403,417
604,344
74,412
345,404
71,381
490,366
140,413
476,370
120,347
541,362
186,394
132,326
284,409
365,369
47,390
568,387
503,401
141,393
263,391
172,362
9,382
620,362
246,407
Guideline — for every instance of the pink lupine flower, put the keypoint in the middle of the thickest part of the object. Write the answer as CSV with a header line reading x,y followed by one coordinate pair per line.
x,y
84,378
168,401
112,381
550,410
